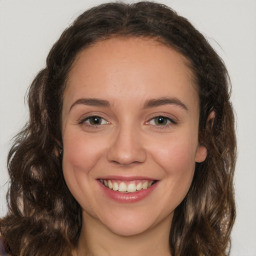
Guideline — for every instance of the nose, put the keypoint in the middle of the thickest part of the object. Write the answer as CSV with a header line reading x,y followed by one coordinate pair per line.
x,y
127,147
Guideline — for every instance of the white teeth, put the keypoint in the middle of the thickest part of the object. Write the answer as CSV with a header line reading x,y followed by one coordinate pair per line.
x,y
115,186
139,186
131,187
145,185
110,184
123,187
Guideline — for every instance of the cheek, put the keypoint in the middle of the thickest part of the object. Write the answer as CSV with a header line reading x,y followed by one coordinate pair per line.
x,y
80,155
177,159
81,152
177,156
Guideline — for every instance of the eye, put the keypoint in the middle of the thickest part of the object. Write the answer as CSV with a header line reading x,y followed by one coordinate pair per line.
x,y
94,121
161,121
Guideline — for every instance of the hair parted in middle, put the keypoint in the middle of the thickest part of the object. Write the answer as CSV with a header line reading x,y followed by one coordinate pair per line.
x,y
41,208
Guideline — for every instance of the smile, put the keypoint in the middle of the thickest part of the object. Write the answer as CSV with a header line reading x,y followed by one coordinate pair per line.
x,y
127,186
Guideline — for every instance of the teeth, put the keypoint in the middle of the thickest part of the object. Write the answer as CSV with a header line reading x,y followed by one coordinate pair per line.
x,y
131,187
110,184
115,186
139,186
122,187
145,185
127,187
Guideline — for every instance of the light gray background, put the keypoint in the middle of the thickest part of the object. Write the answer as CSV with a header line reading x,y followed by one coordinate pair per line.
x,y
28,29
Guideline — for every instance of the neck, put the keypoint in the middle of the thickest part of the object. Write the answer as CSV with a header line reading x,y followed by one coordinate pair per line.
x,y
97,240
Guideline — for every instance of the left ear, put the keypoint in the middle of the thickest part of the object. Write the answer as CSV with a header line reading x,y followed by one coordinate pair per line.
x,y
201,152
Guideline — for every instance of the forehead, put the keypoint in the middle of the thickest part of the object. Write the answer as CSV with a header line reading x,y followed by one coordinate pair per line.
x,y
131,66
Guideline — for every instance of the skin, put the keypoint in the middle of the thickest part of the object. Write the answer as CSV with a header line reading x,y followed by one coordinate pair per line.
x,y
129,142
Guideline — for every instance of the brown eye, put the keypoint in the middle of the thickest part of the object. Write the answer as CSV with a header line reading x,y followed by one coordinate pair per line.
x,y
161,121
94,121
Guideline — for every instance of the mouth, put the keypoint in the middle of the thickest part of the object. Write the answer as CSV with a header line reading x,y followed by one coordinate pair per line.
x,y
127,186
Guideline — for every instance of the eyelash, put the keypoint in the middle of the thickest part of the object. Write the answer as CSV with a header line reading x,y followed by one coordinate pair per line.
x,y
167,122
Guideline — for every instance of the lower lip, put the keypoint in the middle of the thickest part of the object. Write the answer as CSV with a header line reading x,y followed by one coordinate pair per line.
x,y
127,197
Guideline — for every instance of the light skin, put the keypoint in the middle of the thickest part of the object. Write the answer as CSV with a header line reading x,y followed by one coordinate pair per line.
x,y
147,109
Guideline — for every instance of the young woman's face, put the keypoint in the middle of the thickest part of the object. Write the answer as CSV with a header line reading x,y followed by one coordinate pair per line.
x,y
130,133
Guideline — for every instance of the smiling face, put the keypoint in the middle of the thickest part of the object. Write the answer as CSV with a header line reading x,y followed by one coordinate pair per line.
x,y
130,133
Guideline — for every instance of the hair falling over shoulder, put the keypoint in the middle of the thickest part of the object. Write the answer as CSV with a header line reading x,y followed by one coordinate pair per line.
x,y
44,218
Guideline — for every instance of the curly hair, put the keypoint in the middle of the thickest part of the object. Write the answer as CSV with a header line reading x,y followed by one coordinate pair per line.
x,y
44,218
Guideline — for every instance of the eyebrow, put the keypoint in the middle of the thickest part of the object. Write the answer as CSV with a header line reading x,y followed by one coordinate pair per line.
x,y
148,104
91,102
164,101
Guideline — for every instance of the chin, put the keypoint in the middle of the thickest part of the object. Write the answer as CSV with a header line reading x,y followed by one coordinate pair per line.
x,y
128,230
132,223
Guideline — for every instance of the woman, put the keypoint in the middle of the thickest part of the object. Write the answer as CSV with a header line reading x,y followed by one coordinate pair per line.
x,y
130,146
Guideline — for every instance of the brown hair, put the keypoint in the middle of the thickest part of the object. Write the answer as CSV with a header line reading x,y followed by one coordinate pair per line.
x,y
44,218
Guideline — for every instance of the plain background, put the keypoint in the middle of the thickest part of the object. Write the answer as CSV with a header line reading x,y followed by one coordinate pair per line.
x,y
28,29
